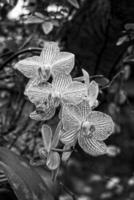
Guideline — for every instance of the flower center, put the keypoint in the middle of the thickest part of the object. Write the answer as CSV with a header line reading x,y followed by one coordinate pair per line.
x,y
88,129
44,72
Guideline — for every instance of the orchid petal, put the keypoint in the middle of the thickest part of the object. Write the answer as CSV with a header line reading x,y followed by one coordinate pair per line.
x,y
71,117
86,77
46,132
92,146
44,115
38,117
68,137
60,82
84,108
103,123
64,63
38,94
49,53
66,155
93,91
56,136
75,92
53,160
29,66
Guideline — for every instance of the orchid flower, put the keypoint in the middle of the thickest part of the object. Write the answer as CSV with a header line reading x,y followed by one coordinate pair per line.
x,y
62,90
50,62
90,128
50,141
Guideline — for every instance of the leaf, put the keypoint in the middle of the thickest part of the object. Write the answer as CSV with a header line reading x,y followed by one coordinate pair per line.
x,y
24,180
74,3
47,27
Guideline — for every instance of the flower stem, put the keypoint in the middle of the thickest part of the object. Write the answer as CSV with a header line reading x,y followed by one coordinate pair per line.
x,y
61,150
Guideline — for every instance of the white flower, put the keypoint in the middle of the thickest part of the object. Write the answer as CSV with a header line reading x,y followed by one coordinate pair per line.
x,y
50,62
90,128
62,90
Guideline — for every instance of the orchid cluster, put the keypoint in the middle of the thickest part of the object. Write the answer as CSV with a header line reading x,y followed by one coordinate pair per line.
x,y
50,87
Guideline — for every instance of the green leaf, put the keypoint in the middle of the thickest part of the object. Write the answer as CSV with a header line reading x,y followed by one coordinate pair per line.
x,y
25,181
74,3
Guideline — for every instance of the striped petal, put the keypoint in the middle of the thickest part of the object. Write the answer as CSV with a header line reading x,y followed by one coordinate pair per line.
x,y
68,137
92,146
60,82
56,135
71,117
75,92
85,108
64,63
38,94
29,66
49,53
44,115
47,137
93,91
103,123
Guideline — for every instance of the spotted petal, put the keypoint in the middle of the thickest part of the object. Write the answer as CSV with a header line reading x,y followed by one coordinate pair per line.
x,y
49,53
69,137
61,82
75,92
71,117
64,63
85,108
29,66
92,146
93,92
47,137
103,124
38,94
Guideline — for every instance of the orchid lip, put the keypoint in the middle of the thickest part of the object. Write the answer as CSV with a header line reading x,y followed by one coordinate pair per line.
x,y
88,129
